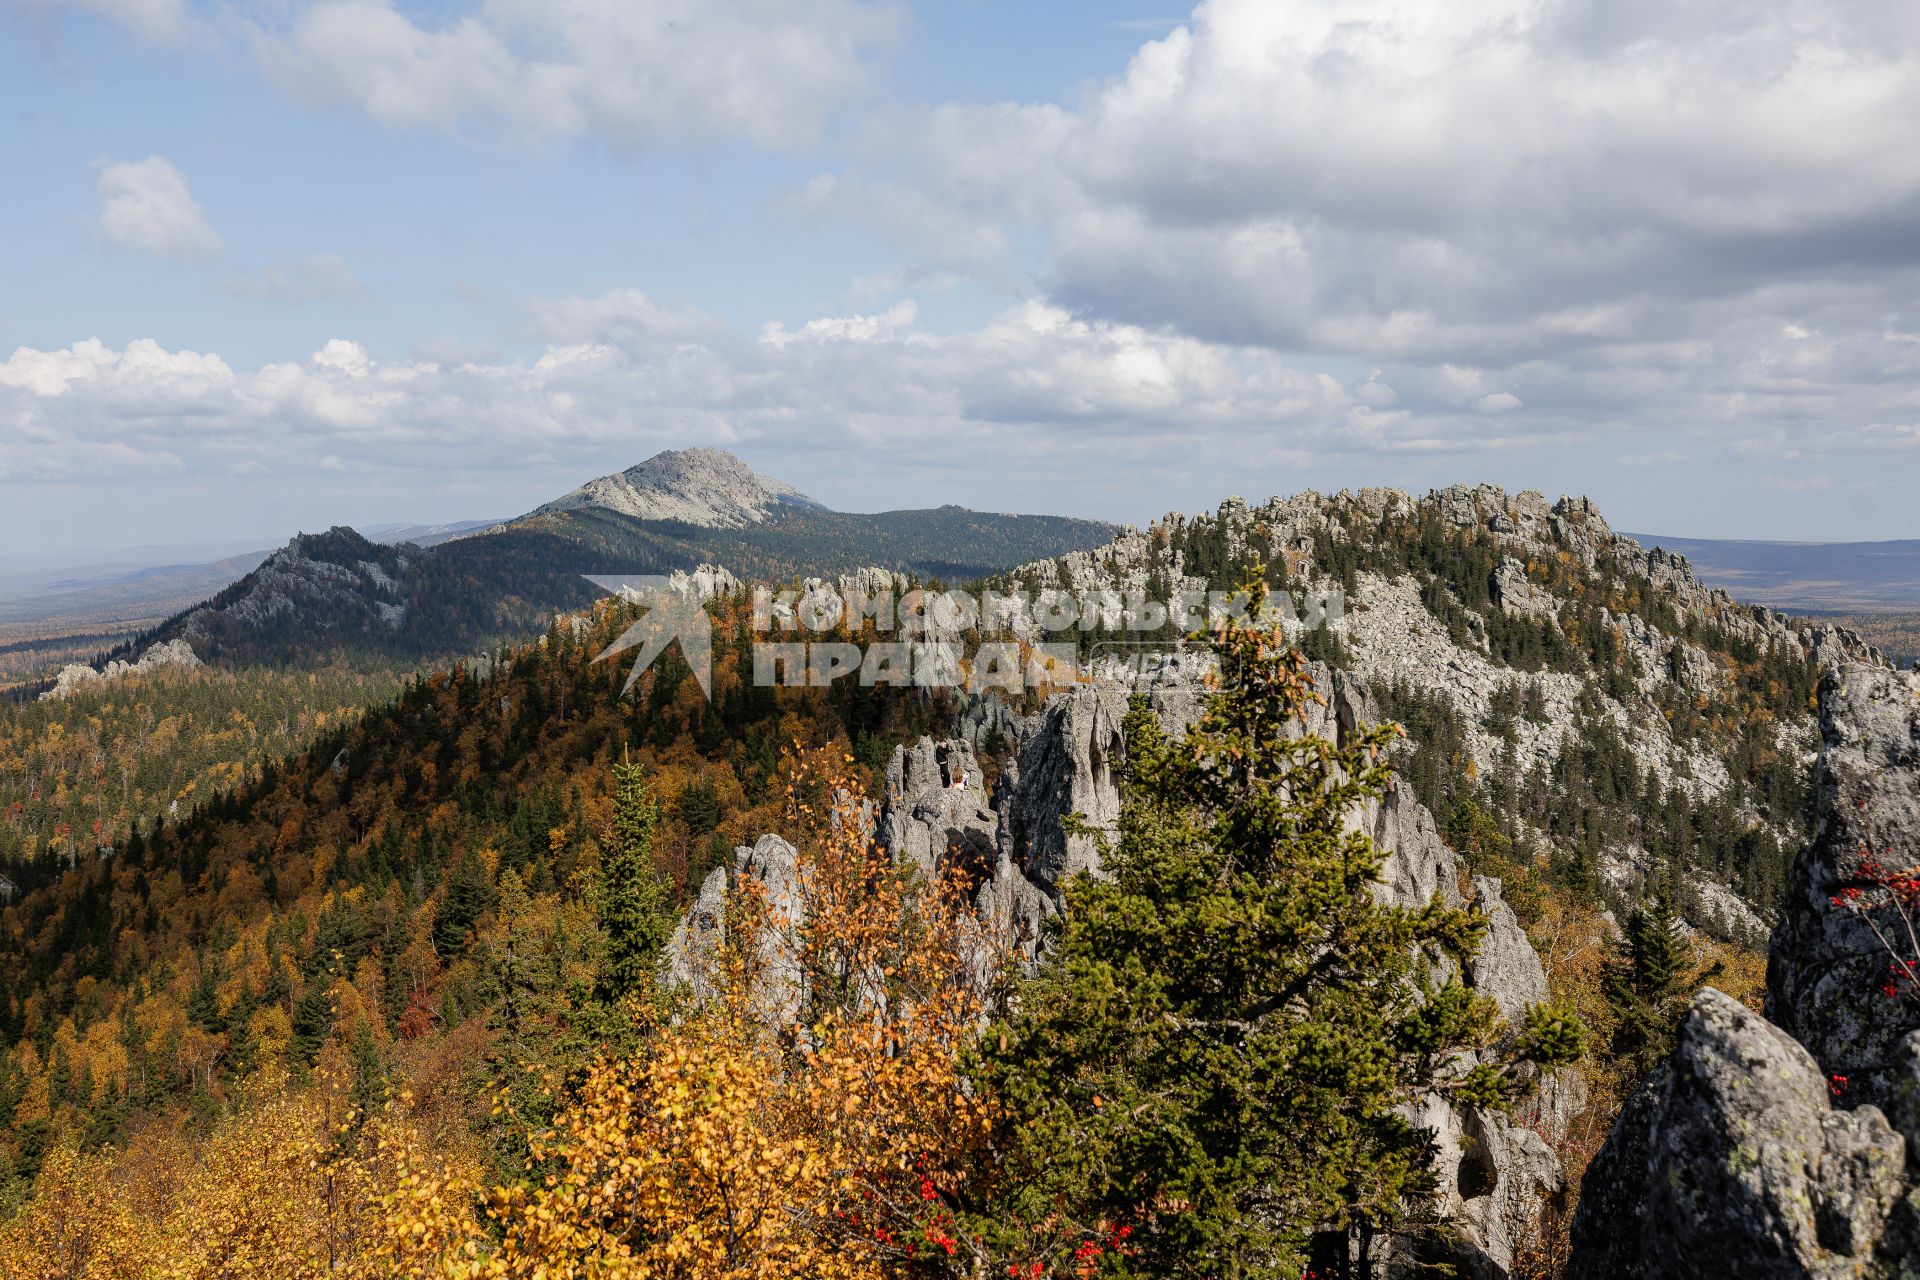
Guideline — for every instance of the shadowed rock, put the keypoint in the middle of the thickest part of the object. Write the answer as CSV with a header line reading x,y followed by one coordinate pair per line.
x,y
1761,1150
1826,967
1730,1160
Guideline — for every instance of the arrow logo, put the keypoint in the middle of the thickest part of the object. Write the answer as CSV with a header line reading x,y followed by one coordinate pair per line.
x,y
667,616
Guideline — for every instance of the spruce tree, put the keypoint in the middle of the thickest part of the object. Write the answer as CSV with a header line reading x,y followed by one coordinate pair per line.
x,y
203,1004
469,894
367,1088
1646,980
1219,1053
635,913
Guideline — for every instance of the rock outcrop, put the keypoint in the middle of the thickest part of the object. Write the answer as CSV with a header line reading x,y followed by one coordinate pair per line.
x,y
1017,843
1826,967
1732,1160
1790,1148
335,584
77,677
771,864
1497,1172
1583,626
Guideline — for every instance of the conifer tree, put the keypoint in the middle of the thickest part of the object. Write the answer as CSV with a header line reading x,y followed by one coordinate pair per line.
x,y
469,893
1208,1076
367,1086
634,910
1646,979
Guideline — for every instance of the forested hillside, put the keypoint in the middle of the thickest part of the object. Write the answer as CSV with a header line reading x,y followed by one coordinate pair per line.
x,y
80,772
172,969
1613,718
402,945
392,1005
333,596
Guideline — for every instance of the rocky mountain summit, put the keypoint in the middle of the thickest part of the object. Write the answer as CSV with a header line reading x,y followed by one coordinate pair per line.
x,y
1591,693
1789,1145
1015,846
707,487
337,595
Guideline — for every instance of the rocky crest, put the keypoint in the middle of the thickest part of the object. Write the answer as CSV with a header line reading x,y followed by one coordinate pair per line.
x,y
1789,1150
706,487
1483,598
1011,842
77,677
335,581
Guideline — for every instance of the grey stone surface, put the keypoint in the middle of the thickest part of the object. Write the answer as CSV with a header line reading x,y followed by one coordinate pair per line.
x,y
1761,1149
1497,1171
701,931
1391,634
707,487
1731,1160
1515,593
935,814
1826,966
77,677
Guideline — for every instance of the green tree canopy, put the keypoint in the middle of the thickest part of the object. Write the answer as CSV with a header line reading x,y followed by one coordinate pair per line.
x,y
635,911
1210,1072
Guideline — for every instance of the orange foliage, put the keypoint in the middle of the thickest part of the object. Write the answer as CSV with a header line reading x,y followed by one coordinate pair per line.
x,y
804,1116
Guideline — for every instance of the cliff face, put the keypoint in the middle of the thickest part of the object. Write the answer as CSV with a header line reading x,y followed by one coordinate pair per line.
x,y
1790,1148
1826,966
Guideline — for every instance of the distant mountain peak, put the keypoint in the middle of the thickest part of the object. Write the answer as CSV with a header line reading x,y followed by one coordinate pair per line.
x,y
708,487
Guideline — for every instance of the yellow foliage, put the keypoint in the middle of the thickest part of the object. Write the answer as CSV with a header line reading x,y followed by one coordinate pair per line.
x,y
755,1138
290,1188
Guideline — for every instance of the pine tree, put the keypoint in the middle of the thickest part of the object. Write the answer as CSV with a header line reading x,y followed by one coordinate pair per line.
x,y
635,913
1218,1054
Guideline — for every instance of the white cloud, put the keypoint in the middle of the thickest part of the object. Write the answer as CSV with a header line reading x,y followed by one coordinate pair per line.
x,y
145,207
628,73
1035,409
1633,222
627,315
858,379
1035,377
890,324
1481,183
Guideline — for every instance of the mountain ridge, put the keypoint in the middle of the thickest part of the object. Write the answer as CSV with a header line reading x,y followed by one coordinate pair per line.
x,y
339,594
1613,714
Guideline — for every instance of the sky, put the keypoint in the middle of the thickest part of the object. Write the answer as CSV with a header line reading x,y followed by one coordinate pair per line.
x,y
277,266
